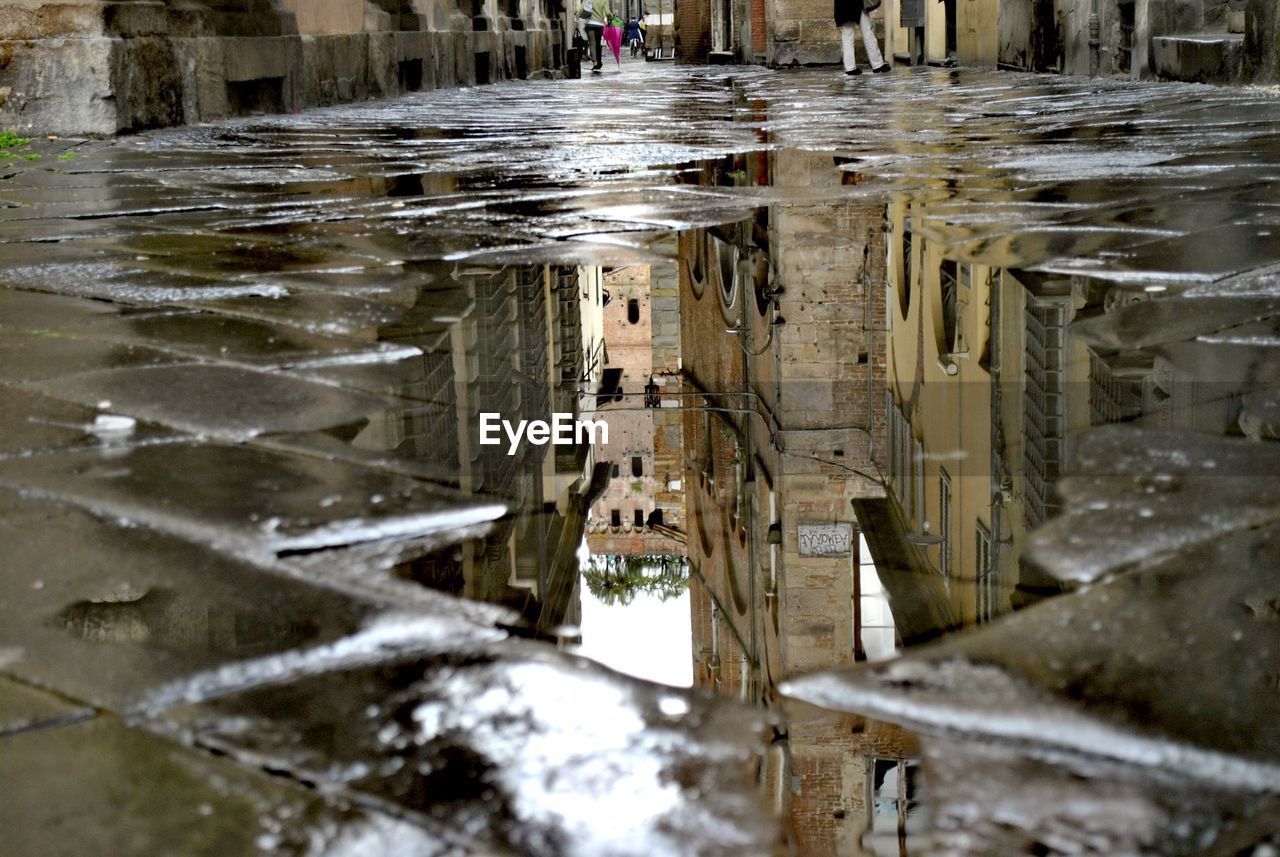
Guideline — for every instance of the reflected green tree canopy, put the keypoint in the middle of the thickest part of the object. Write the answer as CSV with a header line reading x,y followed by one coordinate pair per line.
x,y
617,579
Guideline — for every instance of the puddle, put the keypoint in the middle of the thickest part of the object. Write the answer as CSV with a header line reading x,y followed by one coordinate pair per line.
x,y
878,360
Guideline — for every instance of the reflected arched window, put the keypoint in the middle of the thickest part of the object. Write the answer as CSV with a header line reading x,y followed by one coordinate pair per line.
x,y
637,466
633,311
949,283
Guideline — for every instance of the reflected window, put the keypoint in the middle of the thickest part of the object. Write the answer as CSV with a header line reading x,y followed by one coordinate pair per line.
x,y
948,281
1044,404
639,517
944,524
615,518
637,466
633,311
895,814
617,471
610,386
876,637
988,577
655,518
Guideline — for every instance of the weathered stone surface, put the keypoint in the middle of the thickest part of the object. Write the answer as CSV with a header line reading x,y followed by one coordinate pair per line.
x,y
1137,497
136,795
23,707
1130,671
228,403
31,423
27,357
1204,58
549,746
248,500
104,68
121,615
107,612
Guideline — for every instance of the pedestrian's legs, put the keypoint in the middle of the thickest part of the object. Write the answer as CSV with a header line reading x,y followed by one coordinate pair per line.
x,y
868,41
846,46
593,35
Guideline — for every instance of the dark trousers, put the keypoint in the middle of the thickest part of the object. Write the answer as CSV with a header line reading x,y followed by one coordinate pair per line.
x,y
593,38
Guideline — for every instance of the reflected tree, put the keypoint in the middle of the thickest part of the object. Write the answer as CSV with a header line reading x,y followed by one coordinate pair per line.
x,y
616,579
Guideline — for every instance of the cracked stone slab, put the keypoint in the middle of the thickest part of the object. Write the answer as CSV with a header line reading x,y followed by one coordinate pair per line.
x,y
986,800
212,337
32,423
1130,670
228,402
1155,322
23,707
36,311
243,499
26,357
1139,496
326,314
220,256
120,615
138,795
515,746
120,280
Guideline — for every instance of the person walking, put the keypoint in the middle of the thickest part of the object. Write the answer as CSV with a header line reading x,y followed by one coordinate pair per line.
x,y
633,37
595,29
850,14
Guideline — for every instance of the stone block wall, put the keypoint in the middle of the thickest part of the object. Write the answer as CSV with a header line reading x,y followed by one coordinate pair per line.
x,y
102,68
803,32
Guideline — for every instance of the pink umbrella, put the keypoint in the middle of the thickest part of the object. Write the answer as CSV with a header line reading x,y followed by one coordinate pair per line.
x,y
613,38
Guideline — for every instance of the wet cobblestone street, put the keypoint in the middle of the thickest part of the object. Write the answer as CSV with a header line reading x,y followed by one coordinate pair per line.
x,y
227,477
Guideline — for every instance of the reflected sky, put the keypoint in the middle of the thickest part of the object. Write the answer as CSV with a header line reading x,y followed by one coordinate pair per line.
x,y
648,638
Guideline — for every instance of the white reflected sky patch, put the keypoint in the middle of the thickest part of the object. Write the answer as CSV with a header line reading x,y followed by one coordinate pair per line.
x,y
648,638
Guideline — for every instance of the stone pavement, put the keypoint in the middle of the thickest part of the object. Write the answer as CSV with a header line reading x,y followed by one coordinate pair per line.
x,y
198,528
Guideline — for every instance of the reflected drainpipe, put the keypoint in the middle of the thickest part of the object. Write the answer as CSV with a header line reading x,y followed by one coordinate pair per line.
x,y
713,665
774,539
1095,38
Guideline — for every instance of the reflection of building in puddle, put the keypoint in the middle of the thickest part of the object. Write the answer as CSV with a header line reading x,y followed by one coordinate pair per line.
x,y
782,355
522,342
642,511
992,374
164,618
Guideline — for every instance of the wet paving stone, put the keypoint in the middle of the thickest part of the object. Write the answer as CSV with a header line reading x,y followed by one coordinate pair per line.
x,y
1137,497
546,746
32,311
1121,688
102,787
221,338
332,243
100,276
257,502
106,611
26,357
325,314
225,402
31,423
1156,322
23,707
